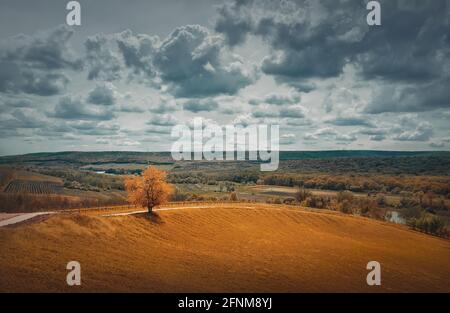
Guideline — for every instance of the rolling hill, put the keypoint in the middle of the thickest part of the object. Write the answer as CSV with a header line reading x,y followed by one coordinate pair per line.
x,y
228,247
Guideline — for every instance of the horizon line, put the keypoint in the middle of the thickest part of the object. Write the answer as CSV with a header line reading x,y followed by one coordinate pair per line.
x,y
224,151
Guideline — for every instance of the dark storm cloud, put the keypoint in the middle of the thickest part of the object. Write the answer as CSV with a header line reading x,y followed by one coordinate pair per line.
x,y
118,55
231,24
311,39
138,51
411,44
35,64
102,95
48,50
74,109
102,58
191,61
411,98
302,48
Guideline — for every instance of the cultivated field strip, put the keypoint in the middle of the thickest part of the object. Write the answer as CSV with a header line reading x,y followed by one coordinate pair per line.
x,y
225,248
34,187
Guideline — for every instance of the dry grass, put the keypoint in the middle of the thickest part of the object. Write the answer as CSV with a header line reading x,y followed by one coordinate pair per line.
x,y
229,248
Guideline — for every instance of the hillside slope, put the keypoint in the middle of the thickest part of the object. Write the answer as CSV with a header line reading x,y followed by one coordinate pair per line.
x,y
221,249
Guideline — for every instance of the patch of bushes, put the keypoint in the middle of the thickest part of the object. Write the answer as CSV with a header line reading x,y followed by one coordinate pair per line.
x,y
178,195
430,224
24,202
233,196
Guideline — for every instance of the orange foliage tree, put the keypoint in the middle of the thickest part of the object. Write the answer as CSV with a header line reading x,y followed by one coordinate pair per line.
x,y
148,190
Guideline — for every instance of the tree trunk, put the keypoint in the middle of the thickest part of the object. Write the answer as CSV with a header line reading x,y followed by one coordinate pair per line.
x,y
150,209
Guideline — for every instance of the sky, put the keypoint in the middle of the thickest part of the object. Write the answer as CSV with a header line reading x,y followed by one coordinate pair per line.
x,y
134,69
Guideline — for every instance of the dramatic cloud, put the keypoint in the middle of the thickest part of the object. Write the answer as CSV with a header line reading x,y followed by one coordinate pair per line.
x,y
94,128
102,95
293,111
194,63
199,105
423,132
329,134
121,55
103,59
264,111
315,68
163,120
309,39
190,61
19,119
424,97
74,109
375,134
313,40
35,64
7,104
411,128
277,99
138,51
350,121
231,24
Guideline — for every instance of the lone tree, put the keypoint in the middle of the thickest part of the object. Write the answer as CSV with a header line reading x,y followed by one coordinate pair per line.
x,y
148,190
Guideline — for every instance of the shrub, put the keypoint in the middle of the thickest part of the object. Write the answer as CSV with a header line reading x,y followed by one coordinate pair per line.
x,y
196,197
346,196
345,206
178,195
381,200
430,224
301,194
289,201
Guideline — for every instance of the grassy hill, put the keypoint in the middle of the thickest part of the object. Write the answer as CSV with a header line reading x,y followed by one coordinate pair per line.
x,y
233,247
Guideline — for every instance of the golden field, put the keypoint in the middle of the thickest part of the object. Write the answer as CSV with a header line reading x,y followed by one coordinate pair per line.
x,y
221,248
